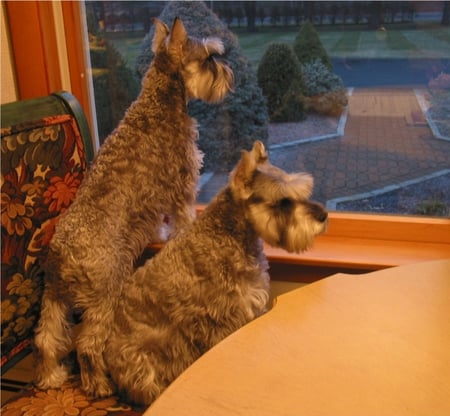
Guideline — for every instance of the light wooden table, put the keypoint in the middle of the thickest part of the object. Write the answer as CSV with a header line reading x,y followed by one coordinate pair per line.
x,y
372,344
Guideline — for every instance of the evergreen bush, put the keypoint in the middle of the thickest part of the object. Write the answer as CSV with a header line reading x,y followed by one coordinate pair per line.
x,y
279,76
292,106
115,85
228,127
331,103
308,46
318,79
325,92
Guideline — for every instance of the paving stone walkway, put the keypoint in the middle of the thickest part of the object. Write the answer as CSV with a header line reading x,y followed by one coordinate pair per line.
x,y
386,141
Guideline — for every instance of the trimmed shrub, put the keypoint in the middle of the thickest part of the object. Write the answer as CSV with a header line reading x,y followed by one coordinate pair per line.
x,y
115,85
292,107
331,103
280,78
308,46
318,79
228,127
442,81
325,91
432,207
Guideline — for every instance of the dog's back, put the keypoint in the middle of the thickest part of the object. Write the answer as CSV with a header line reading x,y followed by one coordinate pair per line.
x,y
205,284
212,278
147,169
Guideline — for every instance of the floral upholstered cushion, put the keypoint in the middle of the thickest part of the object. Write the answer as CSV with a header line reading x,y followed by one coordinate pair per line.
x,y
68,400
42,165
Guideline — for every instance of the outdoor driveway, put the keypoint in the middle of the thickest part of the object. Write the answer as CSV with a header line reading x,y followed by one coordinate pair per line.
x,y
386,142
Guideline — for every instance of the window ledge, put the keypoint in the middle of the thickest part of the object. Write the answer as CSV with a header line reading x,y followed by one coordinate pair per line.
x,y
359,243
362,253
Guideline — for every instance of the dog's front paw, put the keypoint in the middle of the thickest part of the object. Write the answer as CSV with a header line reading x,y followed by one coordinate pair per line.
x,y
51,379
101,387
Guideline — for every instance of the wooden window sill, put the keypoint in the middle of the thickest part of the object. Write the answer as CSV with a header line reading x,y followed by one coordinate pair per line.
x,y
359,243
350,255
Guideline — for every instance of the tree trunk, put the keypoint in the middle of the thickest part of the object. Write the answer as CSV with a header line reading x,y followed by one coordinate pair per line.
x,y
445,21
250,12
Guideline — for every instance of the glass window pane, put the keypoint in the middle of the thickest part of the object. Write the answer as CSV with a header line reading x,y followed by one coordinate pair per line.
x,y
365,107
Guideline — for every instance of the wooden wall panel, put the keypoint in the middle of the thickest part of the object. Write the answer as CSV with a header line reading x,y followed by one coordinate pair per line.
x,y
34,47
76,53
35,50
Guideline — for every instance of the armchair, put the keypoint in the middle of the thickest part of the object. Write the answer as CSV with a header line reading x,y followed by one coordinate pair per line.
x,y
46,148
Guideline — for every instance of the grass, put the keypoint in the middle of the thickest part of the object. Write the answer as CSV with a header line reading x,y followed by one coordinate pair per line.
x,y
425,42
397,41
354,43
433,207
440,33
129,48
255,44
348,42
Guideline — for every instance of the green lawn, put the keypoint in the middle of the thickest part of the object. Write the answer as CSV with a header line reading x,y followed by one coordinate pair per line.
x,y
397,41
427,42
129,48
347,42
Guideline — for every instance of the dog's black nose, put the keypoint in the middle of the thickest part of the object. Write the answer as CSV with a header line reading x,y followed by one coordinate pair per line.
x,y
322,217
318,212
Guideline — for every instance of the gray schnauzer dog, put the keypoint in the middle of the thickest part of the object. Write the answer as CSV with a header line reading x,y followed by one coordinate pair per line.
x,y
146,170
212,278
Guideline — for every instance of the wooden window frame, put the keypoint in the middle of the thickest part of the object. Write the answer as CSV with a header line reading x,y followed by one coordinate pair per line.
x,y
35,54
353,242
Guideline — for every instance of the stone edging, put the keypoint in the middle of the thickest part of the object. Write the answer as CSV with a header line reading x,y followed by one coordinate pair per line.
x,y
332,203
424,105
339,131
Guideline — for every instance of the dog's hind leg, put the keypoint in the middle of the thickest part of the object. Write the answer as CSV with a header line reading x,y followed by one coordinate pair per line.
x,y
134,372
53,342
90,344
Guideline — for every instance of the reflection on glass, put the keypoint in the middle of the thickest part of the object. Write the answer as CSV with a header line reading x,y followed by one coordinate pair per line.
x,y
357,93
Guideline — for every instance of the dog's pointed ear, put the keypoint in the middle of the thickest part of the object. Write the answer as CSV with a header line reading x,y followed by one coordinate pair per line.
x,y
259,152
178,35
243,174
161,33
301,184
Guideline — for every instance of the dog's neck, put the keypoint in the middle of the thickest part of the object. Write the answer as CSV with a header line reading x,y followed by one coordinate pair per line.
x,y
168,92
229,219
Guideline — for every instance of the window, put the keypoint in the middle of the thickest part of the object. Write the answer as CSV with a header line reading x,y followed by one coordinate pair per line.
x,y
354,241
387,152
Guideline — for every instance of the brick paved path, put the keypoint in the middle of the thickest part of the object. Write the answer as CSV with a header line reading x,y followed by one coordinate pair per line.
x,y
386,141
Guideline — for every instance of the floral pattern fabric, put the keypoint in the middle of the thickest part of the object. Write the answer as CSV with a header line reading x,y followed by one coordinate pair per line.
x,y
43,163
69,400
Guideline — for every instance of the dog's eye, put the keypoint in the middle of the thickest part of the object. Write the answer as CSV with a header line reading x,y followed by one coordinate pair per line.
x,y
255,199
285,204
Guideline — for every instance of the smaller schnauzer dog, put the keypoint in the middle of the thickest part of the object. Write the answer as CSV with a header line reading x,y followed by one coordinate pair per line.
x,y
146,170
212,278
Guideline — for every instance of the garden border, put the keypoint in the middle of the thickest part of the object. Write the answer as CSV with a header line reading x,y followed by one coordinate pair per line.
x,y
332,203
339,131
424,105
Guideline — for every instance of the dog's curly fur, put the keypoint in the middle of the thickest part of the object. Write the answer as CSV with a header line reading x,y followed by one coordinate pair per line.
x,y
210,279
147,168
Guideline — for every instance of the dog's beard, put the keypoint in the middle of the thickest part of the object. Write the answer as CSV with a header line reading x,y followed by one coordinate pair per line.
x,y
300,238
210,81
294,231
